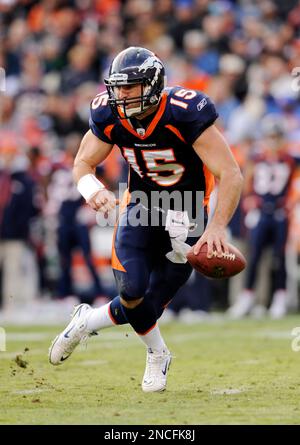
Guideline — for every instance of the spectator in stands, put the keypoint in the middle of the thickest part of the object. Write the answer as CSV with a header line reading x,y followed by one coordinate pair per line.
x,y
17,209
72,226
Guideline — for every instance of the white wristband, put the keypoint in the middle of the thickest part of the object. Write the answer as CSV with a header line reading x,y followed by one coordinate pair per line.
x,y
88,185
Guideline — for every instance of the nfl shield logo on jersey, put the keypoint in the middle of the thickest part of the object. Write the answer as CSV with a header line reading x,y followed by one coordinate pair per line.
x,y
141,131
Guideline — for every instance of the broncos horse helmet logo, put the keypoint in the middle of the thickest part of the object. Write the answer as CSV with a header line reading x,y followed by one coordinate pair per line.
x,y
152,62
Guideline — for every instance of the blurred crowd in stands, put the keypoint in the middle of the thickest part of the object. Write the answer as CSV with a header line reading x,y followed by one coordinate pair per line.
x,y
244,54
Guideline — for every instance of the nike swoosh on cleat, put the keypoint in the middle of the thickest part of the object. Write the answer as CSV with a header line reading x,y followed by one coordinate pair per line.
x,y
78,311
64,358
164,371
147,382
66,334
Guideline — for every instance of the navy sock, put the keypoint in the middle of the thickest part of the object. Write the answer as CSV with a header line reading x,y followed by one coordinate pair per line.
x,y
116,311
160,304
142,317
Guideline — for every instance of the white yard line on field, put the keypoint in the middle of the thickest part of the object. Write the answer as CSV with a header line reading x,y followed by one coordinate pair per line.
x,y
29,391
124,339
92,362
274,335
250,362
13,354
28,336
227,391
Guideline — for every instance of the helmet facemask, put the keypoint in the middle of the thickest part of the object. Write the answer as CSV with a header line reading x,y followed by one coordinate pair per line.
x,y
124,107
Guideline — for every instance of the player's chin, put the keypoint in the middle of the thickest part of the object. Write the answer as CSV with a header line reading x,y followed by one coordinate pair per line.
x,y
135,105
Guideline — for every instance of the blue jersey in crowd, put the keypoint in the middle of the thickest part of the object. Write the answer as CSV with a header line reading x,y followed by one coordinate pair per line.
x,y
272,174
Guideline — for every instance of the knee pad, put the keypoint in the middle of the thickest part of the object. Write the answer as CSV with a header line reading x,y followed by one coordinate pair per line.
x,y
130,288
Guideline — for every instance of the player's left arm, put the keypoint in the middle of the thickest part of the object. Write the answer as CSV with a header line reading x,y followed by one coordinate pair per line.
x,y
215,153
293,193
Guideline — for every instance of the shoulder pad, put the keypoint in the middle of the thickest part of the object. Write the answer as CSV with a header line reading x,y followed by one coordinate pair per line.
x,y
101,116
187,105
192,111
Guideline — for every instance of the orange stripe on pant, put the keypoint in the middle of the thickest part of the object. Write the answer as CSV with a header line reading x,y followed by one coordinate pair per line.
x,y
209,186
148,330
111,316
115,262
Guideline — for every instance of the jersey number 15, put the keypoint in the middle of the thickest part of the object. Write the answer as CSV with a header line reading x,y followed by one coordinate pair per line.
x,y
154,169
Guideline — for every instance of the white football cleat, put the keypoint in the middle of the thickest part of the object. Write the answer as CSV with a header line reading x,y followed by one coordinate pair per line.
x,y
278,308
76,332
157,366
242,306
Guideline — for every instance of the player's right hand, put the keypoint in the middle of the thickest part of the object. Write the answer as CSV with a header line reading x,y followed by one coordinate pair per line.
x,y
103,201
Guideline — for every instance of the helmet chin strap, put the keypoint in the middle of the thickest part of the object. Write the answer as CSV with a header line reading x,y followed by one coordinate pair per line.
x,y
133,111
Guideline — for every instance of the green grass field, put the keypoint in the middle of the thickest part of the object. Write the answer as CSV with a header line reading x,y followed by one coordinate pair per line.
x,y
224,373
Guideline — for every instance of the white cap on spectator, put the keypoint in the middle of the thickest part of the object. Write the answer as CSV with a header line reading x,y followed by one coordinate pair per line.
x,y
232,64
195,39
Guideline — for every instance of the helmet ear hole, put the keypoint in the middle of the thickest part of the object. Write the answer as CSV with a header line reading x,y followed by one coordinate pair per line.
x,y
154,100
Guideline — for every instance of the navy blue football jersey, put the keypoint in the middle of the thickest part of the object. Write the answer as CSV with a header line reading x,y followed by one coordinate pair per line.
x,y
161,156
272,178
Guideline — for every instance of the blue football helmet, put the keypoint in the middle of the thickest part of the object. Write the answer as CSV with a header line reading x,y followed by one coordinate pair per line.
x,y
135,66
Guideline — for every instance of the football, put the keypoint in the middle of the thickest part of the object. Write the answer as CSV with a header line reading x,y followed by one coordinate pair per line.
x,y
227,266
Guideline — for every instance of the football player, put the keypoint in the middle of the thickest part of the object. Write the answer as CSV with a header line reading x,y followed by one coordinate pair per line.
x,y
268,177
168,138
